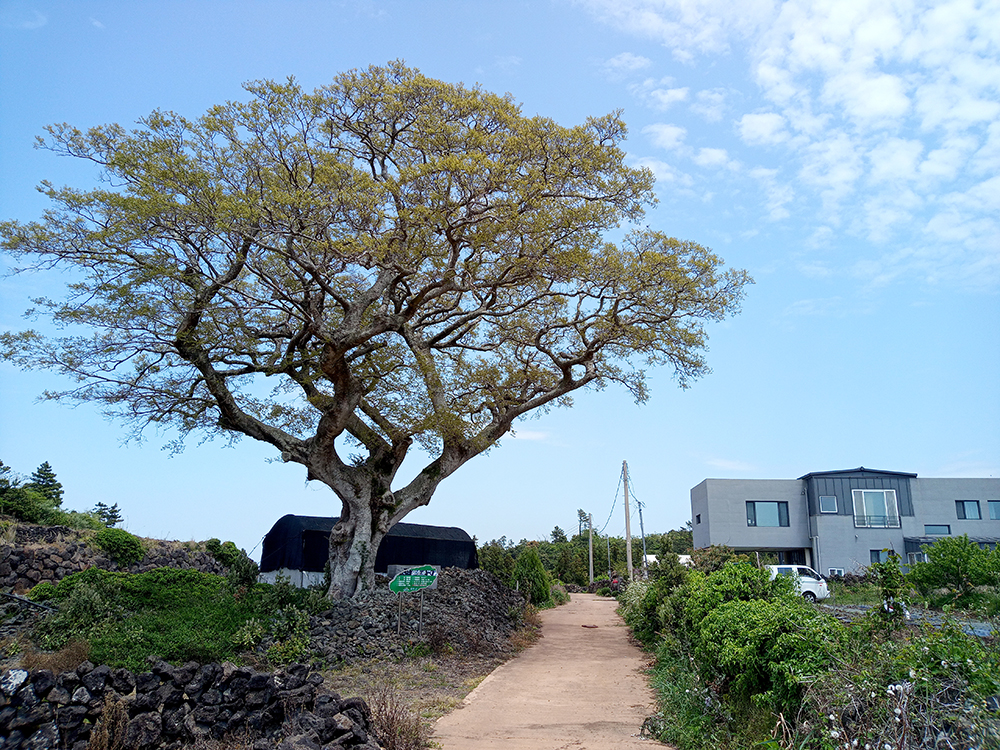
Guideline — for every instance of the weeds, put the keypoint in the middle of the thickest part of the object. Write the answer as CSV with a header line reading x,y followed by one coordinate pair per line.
x,y
396,726
109,733
74,653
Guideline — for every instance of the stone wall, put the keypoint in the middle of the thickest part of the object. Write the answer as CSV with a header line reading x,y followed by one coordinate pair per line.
x,y
170,707
49,559
469,611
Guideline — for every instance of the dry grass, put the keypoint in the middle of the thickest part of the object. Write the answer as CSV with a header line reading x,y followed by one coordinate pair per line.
x,y
8,532
395,723
529,632
109,733
70,656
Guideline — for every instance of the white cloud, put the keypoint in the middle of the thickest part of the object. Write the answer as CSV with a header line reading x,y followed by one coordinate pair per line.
x,y
942,104
714,157
685,27
95,23
894,160
507,62
625,63
763,129
867,98
17,16
882,214
821,307
664,173
659,93
886,113
832,166
666,136
710,104
778,195
945,163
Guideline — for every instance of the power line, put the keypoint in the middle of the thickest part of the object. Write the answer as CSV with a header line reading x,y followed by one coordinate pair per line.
x,y
615,503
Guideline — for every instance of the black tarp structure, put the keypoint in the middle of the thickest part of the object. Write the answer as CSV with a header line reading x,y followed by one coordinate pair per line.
x,y
302,543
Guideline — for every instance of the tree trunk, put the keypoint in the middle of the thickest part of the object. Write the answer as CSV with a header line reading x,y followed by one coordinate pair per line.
x,y
369,510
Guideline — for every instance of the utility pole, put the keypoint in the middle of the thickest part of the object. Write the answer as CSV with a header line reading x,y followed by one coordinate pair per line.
x,y
590,521
628,527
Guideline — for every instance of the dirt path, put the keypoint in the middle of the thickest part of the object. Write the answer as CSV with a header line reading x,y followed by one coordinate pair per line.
x,y
578,688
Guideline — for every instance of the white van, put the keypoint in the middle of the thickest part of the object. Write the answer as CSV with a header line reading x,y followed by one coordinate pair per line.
x,y
807,581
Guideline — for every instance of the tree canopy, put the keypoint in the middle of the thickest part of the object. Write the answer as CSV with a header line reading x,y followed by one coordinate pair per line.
x,y
387,260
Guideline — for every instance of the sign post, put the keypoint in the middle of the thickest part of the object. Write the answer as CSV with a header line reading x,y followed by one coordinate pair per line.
x,y
409,580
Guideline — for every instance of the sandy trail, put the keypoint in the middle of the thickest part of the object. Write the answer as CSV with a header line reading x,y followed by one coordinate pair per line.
x,y
578,688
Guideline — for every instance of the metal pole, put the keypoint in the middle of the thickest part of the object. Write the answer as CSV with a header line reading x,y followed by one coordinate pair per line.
x,y
608,539
590,519
628,527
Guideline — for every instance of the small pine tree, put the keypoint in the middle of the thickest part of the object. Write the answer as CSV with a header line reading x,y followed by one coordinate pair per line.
x,y
110,515
44,481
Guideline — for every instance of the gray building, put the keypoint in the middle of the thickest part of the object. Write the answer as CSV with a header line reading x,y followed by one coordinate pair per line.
x,y
840,521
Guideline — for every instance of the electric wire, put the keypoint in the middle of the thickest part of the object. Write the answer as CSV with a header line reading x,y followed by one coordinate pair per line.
x,y
614,504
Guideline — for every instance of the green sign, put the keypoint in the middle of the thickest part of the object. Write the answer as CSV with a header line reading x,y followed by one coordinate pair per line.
x,y
414,579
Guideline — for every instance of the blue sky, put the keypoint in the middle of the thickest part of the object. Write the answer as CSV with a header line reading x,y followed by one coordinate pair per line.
x,y
847,154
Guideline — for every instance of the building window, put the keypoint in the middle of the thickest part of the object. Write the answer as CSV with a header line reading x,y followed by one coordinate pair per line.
x,y
936,529
994,510
697,518
968,510
879,555
835,572
766,513
827,503
875,509
916,557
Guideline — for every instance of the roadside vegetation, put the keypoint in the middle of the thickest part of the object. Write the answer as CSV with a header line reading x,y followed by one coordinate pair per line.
x,y
743,661
566,559
121,619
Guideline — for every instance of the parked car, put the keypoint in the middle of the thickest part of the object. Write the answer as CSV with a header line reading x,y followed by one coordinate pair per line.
x,y
807,581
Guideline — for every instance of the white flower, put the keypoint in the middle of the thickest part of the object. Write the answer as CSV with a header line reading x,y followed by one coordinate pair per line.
x,y
898,711
913,674
834,733
832,717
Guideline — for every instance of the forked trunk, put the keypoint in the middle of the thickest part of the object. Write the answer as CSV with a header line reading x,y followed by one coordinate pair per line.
x,y
354,542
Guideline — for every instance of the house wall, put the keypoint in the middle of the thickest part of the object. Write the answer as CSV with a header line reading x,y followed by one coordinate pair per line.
x,y
722,506
833,538
935,503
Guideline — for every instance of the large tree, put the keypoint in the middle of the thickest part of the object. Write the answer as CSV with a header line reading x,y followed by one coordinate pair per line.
x,y
388,261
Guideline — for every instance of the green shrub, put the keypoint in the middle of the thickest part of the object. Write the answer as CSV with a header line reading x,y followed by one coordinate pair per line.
x,y
558,594
495,557
226,553
761,649
529,577
176,615
955,568
121,546
243,572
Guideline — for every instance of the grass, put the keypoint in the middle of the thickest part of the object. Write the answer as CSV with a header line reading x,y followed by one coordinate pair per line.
x,y
863,593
